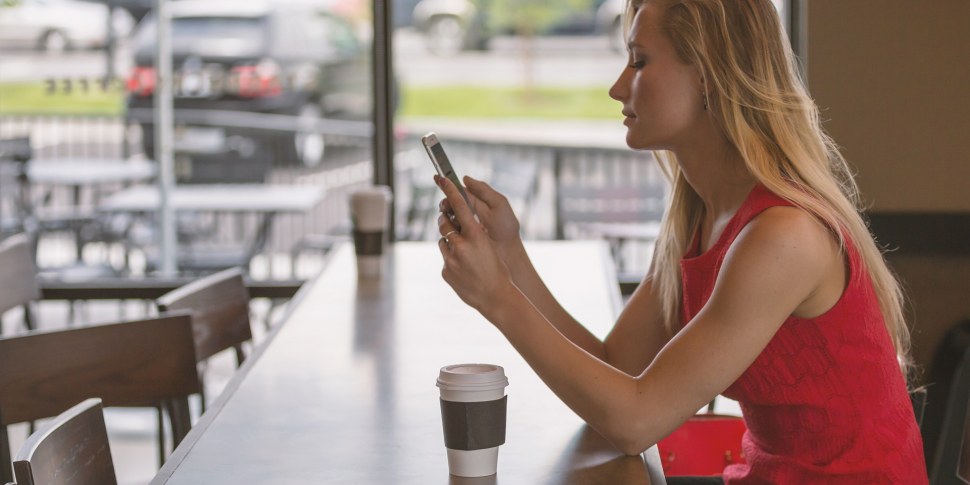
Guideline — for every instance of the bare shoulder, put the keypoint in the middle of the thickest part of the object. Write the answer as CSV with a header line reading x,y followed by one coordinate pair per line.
x,y
789,232
785,261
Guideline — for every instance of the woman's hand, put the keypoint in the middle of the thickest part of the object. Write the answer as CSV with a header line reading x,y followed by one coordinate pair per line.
x,y
472,267
494,212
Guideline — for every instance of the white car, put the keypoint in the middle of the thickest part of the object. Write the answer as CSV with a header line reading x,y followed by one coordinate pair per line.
x,y
59,25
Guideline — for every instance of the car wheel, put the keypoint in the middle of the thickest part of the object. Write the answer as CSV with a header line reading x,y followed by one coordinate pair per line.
x,y
446,35
306,146
54,42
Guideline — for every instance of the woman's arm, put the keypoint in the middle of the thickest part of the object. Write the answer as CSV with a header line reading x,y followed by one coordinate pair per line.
x,y
639,332
775,265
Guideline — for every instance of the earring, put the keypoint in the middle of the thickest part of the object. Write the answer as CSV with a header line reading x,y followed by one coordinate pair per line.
x,y
705,100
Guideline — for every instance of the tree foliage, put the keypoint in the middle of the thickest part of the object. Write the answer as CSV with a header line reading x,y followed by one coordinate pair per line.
x,y
529,17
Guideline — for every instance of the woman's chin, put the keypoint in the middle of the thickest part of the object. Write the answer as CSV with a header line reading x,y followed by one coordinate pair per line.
x,y
635,142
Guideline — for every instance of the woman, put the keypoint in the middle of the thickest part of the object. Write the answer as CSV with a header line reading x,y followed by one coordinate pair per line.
x,y
765,285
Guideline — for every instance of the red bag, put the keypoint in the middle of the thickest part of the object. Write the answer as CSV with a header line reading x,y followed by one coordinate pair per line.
x,y
703,446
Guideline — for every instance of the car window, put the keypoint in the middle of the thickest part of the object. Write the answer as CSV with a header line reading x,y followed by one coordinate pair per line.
x,y
227,36
202,29
320,35
340,35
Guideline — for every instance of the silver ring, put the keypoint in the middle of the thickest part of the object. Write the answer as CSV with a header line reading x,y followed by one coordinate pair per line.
x,y
445,237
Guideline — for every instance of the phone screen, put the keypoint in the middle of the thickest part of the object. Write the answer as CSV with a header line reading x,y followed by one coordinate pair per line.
x,y
442,163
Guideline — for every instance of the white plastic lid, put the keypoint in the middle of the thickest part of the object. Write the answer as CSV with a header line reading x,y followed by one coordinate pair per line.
x,y
472,377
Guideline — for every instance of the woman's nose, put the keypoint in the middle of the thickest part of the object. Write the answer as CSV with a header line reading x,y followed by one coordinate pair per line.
x,y
619,89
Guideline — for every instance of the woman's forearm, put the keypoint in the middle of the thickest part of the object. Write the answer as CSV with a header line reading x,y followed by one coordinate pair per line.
x,y
527,279
609,400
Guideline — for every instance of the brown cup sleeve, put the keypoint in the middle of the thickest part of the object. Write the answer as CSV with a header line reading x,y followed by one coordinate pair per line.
x,y
474,425
369,243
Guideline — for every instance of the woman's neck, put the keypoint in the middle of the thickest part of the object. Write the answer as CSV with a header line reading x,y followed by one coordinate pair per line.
x,y
719,176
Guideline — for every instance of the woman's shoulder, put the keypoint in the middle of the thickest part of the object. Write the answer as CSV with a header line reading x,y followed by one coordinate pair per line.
x,y
786,236
782,261
789,227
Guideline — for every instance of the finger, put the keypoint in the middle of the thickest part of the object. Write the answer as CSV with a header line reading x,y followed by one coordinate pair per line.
x,y
463,214
483,192
443,247
446,211
444,206
445,224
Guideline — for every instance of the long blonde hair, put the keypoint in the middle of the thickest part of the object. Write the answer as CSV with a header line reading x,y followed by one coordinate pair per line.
x,y
759,101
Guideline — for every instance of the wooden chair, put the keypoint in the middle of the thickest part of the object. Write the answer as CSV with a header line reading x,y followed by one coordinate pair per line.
x,y
951,464
135,363
17,277
219,306
71,450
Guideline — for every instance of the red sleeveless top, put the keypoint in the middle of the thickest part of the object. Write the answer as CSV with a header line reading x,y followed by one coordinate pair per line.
x,y
825,401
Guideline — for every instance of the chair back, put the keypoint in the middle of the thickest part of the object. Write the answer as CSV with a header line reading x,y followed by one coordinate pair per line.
x,y
17,273
951,464
518,181
219,305
70,450
135,363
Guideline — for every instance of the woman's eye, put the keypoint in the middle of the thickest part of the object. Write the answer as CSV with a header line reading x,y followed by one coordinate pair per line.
x,y
637,64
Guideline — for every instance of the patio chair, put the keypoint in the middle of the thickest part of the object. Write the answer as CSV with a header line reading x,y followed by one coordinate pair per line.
x,y
14,153
518,180
37,216
617,214
140,363
72,449
17,272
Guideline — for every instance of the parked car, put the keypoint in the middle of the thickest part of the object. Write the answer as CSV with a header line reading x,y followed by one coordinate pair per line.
x,y
403,10
137,8
264,57
451,26
58,25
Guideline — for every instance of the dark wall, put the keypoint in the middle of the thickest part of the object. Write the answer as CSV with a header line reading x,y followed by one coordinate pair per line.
x,y
893,80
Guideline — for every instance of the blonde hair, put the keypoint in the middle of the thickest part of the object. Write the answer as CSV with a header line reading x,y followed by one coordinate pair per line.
x,y
759,101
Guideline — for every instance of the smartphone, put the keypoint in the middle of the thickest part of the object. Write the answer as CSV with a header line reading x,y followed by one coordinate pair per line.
x,y
441,163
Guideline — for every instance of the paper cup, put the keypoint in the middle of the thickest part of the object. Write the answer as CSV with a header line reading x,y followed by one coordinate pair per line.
x,y
473,411
369,216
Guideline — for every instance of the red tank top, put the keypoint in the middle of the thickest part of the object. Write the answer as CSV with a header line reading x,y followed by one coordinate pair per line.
x,y
825,401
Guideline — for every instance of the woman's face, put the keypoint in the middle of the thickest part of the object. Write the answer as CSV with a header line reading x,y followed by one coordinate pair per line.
x,y
662,97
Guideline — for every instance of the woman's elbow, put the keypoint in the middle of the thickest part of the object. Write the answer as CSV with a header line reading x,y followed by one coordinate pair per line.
x,y
631,446
630,438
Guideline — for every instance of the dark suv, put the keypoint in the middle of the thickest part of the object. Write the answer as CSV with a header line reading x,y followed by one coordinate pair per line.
x,y
238,66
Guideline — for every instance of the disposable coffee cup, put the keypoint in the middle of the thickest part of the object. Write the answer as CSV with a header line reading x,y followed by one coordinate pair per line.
x,y
369,211
473,410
